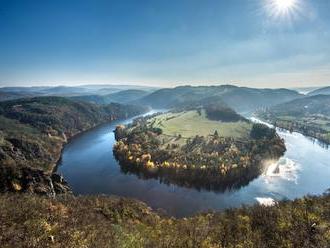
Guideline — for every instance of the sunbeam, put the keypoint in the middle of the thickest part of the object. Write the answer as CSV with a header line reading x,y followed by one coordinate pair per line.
x,y
283,9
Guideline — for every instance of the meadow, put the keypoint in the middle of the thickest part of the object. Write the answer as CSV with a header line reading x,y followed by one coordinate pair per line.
x,y
191,123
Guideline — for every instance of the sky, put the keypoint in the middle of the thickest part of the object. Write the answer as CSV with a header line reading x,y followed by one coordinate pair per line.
x,y
256,43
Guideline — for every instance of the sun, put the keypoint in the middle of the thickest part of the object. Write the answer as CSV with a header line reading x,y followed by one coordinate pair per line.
x,y
283,9
284,5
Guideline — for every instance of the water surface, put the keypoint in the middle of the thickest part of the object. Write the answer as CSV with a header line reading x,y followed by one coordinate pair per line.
x,y
89,167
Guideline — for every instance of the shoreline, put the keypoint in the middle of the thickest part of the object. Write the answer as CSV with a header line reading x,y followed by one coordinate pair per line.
x,y
58,161
75,149
320,141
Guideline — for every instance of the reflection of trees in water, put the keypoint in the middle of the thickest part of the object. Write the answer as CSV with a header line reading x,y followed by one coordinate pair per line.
x,y
312,139
318,142
198,179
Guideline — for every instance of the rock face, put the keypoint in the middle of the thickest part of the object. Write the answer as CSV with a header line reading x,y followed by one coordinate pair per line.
x,y
119,132
59,184
32,181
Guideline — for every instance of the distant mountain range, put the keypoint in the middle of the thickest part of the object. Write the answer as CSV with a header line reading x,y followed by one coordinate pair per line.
x,y
241,99
9,93
4,96
311,105
124,96
321,91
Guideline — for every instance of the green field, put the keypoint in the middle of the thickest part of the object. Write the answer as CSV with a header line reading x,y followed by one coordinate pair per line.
x,y
191,123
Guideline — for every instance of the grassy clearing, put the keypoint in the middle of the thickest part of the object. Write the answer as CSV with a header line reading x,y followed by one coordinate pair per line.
x,y
191,123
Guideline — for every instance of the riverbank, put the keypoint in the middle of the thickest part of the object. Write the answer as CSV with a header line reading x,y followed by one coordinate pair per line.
x,y
88,164
307,131
33,133
300,127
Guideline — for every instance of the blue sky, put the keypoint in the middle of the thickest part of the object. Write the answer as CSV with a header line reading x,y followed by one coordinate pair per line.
x,y
164,43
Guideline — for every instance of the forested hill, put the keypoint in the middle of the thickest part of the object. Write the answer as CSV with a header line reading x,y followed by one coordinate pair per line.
x,y
313,105
241,99
321,91
33,131
124,96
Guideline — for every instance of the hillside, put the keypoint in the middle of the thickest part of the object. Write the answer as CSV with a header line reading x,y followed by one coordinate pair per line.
x,y
321,91
6,96
241,99
309,115
314,105
99,221
205,148
33,132
125,96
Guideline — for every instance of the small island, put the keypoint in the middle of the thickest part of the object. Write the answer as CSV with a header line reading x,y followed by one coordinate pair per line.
x,y
206,147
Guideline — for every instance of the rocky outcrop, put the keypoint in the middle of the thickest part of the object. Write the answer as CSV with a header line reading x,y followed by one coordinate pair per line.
x,y
119,132
32,181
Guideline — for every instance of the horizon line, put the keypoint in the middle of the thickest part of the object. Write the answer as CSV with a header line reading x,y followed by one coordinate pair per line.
x,y
132,84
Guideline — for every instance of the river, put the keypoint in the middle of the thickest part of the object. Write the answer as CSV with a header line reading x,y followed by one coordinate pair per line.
x,y
89,166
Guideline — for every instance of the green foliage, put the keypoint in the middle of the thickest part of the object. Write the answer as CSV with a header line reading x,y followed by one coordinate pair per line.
x,y
63,115
261,131
225,114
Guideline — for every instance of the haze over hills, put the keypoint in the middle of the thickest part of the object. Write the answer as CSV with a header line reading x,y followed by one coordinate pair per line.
x,y
124,96
8,93
321,91
241,99
4,96
311,105
305,90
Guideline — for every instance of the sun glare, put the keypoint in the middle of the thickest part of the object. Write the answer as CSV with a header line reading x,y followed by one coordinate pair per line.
x,y
283,9
284,4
